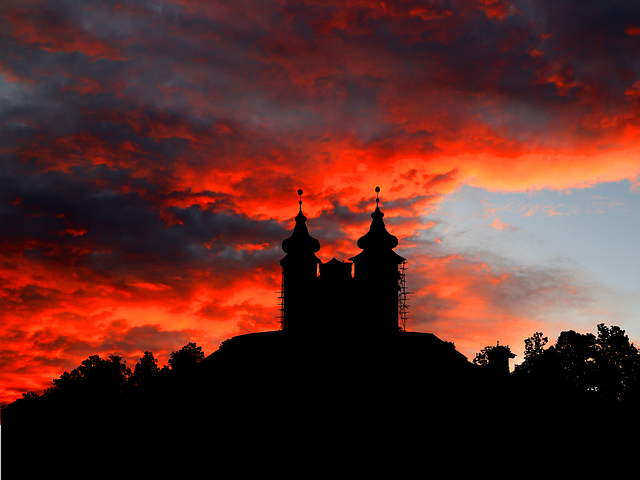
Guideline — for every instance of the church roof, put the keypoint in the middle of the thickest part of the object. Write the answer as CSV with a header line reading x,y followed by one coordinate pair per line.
x,y
377,241
300,242
377,238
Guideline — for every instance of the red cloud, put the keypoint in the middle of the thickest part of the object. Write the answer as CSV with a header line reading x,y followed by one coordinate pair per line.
x,y
632,30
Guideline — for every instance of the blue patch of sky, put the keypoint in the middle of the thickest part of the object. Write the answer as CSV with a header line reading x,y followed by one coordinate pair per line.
x,y
598,227
594,232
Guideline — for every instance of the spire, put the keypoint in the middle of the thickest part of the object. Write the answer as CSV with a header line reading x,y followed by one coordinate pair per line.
x,y
300,192
377,238
300,241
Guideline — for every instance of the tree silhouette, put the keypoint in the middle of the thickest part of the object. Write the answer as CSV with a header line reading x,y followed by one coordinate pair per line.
x,y
575,361
482,358
534,346
185,359
94,377
604,367
146,371
534,357
616,363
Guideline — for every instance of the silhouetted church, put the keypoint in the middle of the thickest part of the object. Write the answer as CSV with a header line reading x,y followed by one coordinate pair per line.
x,y
341,359
368,302
342,315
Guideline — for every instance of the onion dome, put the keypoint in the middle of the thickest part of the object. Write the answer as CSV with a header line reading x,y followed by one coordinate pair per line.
x,y
300,241
377,238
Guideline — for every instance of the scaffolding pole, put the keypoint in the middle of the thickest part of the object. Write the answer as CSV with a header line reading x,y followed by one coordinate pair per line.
x,y
281,301
403,294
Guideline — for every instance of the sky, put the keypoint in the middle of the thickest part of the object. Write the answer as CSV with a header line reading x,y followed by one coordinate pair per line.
x,y
150,154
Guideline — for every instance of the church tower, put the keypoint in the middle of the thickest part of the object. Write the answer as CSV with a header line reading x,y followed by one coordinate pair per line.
x,y
300,277
376,277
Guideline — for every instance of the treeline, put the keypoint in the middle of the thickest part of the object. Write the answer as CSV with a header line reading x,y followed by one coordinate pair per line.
x,y
99,382
144,421
567,379
603,367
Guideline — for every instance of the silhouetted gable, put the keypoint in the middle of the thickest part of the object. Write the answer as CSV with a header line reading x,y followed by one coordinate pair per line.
x,y
336,269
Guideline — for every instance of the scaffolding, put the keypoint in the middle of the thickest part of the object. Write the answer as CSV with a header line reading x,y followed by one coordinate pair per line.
x,y
281,301
403,294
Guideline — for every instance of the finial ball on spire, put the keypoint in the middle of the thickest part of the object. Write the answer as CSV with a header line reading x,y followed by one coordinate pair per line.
x,y
377,189
300,191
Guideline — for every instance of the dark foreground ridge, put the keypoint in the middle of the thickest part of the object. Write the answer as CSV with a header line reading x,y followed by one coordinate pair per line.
x,y
272,402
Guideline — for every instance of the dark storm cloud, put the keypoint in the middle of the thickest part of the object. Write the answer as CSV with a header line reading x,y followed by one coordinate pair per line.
x,y
435,179
145,337
84,219
150,87
411,204
119,337
250,317
28,299
110,71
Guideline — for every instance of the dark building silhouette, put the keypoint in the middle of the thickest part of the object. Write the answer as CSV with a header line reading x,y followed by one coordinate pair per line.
x,y
498,357
362,295
376,276
340,341
300,277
